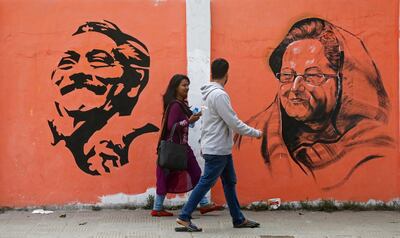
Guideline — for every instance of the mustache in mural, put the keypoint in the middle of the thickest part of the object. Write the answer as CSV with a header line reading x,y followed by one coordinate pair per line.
x,y
126,67
82,81
97,89
296,96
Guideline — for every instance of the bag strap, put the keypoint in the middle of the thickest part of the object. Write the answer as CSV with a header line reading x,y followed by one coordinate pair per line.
x,y
163,130
171,134
164,124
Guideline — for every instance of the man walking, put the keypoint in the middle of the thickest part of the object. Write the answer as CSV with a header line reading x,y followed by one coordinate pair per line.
x,y
219,123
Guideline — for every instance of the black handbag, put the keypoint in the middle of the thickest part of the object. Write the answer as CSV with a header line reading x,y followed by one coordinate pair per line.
x,y
171,155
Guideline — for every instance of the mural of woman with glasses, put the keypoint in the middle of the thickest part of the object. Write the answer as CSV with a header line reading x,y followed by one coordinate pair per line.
x,y
331,106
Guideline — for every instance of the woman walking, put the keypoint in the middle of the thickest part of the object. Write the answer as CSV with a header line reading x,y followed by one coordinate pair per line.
x,y
177,111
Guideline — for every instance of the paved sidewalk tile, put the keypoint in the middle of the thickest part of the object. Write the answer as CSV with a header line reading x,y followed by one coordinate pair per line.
x,y
108,223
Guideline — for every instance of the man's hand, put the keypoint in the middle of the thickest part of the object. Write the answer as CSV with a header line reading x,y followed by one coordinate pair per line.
x,y
261,135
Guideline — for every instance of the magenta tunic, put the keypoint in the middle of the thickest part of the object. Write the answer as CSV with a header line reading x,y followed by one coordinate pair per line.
x,y
169,181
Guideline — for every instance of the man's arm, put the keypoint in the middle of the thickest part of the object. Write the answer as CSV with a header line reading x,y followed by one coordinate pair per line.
x,y
225,111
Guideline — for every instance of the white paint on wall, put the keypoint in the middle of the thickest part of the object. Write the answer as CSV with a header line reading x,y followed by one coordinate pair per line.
x,y
139,199
198,42
121,198
393,204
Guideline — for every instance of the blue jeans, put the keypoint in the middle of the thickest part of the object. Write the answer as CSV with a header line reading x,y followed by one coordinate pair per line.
x,y
159,202
204,201
215,166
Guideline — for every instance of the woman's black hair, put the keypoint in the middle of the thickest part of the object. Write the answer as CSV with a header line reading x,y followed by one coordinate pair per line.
x,y
170,92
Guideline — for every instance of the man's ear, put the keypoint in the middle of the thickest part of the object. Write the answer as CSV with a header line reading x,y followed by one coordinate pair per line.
x,y
135,90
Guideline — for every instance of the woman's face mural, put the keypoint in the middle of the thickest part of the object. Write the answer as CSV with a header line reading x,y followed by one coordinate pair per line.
x,y
307,90
100,75
331,107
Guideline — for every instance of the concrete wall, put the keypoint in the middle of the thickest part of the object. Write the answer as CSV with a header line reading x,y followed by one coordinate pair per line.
x,y
94,143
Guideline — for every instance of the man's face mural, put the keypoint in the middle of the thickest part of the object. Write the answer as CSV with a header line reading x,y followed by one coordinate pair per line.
x,y
308,86
86,74
101,74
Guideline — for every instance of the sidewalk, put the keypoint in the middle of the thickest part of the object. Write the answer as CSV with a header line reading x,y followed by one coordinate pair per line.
x,y
138,223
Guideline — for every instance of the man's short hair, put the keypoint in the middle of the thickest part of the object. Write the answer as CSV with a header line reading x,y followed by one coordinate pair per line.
x,y
219,68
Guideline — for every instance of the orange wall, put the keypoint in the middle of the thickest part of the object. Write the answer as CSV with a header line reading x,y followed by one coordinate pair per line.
x,y
246,33
34,36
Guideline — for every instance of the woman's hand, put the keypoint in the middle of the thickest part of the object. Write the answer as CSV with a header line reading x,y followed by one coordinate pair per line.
x,y
194,117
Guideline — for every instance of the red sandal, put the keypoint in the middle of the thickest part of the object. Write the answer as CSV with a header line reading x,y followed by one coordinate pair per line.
x,y
210,208
161,213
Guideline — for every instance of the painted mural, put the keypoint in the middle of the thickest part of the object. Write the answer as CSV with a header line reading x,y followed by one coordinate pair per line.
x,y
330,102
320,79
97,83
83,106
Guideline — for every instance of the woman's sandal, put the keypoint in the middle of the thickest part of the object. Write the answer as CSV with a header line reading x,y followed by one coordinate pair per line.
x,y
187,226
